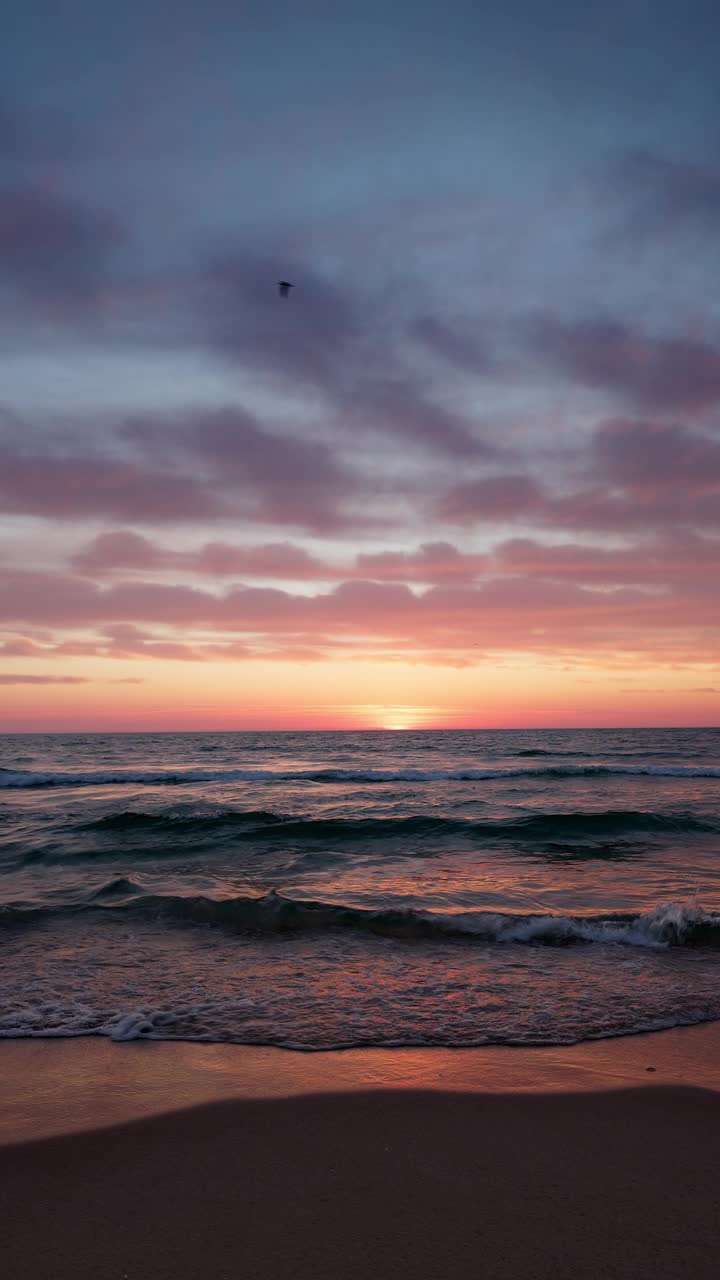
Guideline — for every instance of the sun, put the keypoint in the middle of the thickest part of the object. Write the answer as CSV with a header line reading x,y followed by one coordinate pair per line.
x,y
392,716
398,718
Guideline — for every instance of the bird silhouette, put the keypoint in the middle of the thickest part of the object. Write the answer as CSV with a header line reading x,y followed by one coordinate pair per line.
x,y
284,287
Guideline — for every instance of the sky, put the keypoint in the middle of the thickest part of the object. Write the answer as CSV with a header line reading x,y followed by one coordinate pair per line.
x,y
468,473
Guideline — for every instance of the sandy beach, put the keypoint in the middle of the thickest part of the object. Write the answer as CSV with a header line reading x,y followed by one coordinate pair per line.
x,y
183,1161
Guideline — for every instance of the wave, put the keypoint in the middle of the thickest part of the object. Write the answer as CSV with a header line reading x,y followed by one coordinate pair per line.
x,y
266,824
667,925
671,925
134,820
15,778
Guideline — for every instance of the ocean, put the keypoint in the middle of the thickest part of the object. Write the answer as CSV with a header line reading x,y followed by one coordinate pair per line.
x,y
334,889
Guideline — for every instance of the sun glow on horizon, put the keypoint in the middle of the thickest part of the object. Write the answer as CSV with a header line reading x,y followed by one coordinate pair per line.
x,y
398,716
116,695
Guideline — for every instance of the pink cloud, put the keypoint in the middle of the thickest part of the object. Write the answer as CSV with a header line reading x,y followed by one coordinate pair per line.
x,y
432,562
659,373
282,476
493,498
30,679
22,647
679,558
213,465
267,560
513,612
122,550
639,475
76,486
649,455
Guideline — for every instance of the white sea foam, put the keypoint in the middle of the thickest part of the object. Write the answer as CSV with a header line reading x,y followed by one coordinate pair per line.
x,y
670,924
148,1024
139,1025
666,925
321,991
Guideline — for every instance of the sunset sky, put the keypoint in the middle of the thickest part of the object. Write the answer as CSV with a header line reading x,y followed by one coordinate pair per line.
x,y
468,473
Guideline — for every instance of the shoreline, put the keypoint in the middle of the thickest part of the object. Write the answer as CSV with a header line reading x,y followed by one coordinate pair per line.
x,y
54,1086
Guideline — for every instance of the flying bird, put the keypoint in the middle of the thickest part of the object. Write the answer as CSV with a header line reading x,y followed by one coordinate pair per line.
x,y
284,287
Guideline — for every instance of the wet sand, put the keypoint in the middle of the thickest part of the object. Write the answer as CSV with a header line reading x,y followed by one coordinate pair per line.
x,y
528,1164
61,1086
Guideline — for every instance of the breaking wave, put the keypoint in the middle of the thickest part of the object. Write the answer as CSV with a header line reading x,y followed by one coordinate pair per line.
x,y
667,925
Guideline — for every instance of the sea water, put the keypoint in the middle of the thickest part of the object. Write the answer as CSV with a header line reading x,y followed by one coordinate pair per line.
x,y
321,890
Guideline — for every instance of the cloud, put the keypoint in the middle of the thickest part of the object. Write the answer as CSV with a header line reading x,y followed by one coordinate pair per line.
x,y
639,688
671,374
22,647
431,562
650,456
122,550
682,558
669,194
471,351
54,250
30,679
306,337
638,476
348,347
215,465
678,558
512,613
67,483
126,640
396,405
493,498
281,477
